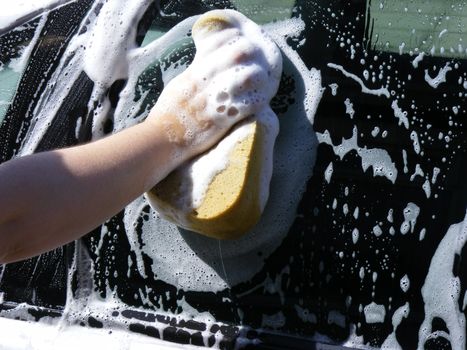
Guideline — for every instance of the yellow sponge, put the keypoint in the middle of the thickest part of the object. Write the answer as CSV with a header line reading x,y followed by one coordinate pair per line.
x,y
232,201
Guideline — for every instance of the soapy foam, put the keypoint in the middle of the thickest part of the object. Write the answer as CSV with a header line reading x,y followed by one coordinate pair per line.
x,y
391,343
374,313
418,172
416,143
378,159
328,172
410,213
207,167
439,78
418,59
405,283
16,12
441,290
383,91
42,336
239,68
404,158
400,114
349,108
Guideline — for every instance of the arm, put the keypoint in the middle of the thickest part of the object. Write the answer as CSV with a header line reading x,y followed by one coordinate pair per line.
x,y
52,198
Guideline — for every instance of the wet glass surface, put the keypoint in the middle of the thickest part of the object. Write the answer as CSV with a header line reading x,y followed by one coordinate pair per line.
x,y
374,253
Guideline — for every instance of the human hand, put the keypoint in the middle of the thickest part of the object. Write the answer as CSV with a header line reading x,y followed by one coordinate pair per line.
x,y
229,80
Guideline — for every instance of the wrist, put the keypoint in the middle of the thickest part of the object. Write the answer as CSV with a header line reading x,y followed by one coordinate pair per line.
x,y
168,149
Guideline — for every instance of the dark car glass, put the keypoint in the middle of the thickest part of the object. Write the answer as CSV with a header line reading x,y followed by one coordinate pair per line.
x,y
362,243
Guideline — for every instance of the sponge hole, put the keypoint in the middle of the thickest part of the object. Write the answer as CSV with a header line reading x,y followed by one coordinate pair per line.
x,y
220,109
222,96
232,112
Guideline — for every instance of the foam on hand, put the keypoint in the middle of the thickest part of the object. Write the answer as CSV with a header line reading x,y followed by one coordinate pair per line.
x,y
237,68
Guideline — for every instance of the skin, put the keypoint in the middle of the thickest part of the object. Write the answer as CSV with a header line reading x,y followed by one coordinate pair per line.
x,y
52,198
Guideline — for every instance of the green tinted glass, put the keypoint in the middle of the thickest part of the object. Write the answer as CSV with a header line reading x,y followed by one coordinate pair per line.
x,y
436,27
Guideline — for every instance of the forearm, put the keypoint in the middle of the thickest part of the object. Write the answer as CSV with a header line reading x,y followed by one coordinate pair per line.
x,y
52,198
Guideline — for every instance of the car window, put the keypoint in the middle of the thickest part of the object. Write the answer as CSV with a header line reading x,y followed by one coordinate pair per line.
x,y
362,242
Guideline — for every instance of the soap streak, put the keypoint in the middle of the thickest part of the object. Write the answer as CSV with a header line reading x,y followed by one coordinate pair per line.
x,y
378,92
378,159
440,77
222,262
